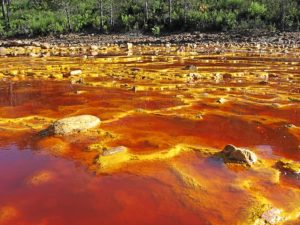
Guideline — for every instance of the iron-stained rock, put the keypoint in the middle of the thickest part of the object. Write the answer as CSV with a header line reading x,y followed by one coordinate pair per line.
x,y
239,155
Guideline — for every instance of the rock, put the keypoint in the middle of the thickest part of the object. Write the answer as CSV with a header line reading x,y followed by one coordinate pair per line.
x,y
227,76
77,80
199,116
93,53
191,77
3,51
289,168
289,125
31,54
221,100
218,77
240,155
71,125
15,43
263,82
191,67
94,48
75,72
272,216
36,44
114,150
129,46
45,45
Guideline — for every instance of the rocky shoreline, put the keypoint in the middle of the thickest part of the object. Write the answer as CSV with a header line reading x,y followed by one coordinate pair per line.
x,y
286,39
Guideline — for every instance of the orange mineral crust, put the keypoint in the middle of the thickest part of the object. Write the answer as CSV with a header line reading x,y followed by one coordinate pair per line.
x,y
131,136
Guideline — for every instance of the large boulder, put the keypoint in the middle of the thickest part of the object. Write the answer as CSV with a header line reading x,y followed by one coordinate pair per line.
x,y
240,155
70,125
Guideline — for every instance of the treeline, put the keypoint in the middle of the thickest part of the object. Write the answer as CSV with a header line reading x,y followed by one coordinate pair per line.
x,y
43,17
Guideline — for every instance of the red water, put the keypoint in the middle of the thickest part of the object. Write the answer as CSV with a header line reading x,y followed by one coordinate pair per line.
x,y
148,192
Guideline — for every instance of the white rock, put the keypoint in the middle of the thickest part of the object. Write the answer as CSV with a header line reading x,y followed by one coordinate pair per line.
x,y
272,216
75,72
73,124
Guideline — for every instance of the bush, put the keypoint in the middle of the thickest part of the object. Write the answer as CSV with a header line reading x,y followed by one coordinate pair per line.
x,y
42,17
257,9
156,30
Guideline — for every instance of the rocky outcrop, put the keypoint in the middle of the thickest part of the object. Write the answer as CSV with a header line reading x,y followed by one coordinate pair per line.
x,y
70,125
238,155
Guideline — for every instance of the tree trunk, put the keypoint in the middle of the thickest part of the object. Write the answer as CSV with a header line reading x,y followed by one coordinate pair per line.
x,y
101,15
170,12
8,12
111,14
3,10
146,11
185,11
282,14
68,19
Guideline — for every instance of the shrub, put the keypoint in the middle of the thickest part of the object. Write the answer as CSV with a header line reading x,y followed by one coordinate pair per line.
x,y
257,9
156,30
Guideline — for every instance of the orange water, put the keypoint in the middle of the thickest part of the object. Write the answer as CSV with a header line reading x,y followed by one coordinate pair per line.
x,y
148,121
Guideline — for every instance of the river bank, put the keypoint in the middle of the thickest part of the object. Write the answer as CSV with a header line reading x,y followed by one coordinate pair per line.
x,y
288,39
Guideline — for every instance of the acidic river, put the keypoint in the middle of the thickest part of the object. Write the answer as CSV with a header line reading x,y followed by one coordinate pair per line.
x,y
171,111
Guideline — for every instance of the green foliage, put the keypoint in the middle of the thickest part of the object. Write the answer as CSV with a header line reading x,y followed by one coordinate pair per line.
x,y
2,30
45,23
156,30
257,9
43,17
128,21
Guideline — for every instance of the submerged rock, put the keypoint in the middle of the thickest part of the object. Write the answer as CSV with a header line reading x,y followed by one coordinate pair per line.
x,y
289,168
55,145
71,125
40,178
240,155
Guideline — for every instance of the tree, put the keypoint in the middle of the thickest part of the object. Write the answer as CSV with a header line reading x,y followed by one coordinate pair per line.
x,y
170,11
5,6
101,14
3,10
111,14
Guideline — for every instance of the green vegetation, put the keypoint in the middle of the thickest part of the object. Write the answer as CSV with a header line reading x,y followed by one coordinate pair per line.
x,y
43,17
